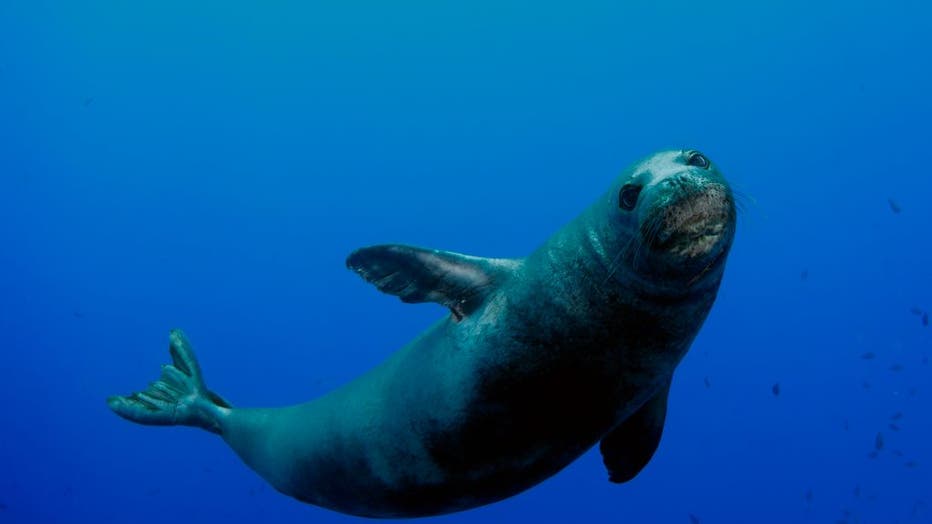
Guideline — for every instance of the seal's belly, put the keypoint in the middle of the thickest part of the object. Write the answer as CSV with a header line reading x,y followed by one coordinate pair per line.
x,y
512,429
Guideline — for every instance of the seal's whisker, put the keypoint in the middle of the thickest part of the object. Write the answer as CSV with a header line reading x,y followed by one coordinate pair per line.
x,y
743,201
636,256
613,266
651,230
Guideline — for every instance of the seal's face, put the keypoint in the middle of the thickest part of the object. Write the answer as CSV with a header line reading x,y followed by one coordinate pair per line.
x,y
680,210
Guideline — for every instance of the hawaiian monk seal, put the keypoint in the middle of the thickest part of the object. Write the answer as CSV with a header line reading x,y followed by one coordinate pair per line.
x,y
539,359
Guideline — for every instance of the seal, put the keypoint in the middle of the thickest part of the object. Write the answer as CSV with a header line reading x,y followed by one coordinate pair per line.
x,y
540,359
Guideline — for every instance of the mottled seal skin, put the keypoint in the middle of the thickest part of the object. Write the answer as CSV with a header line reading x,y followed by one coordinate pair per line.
x,y
539,360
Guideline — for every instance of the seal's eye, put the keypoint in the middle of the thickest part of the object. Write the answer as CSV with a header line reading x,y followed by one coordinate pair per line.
x,y
697,159
628,197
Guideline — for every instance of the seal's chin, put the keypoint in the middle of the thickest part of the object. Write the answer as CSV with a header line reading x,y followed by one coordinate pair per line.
x,y
692,227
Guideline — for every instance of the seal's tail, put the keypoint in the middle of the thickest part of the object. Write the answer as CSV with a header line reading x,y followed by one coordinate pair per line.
x,y
179,397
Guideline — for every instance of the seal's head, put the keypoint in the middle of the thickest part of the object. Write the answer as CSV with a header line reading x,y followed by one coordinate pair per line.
x,y
674,214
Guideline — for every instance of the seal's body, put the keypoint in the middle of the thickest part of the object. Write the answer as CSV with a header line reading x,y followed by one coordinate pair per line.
x,y
540,359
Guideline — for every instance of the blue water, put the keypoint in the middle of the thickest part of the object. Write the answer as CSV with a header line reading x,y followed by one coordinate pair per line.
x,y
208,165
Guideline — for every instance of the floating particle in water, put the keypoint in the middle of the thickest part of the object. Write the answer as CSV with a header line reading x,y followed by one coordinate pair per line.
x,y
808,497
775,389
897,453
925,320
896,368
3,506
894,427
708,384
693,519
88,101
804,275
872,455
925,360
865,384
916,311
857,491
870,355
844,425
911,391
910,464
896,416
894,206
878,441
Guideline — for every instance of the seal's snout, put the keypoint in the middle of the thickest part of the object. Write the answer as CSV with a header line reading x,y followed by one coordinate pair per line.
x,y
678,212
692,219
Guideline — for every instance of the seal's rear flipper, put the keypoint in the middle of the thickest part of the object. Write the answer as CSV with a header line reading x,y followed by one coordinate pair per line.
x,y
630,446
179,397
459,282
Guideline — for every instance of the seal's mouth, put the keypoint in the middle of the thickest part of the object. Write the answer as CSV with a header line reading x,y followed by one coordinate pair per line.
x,y
692,225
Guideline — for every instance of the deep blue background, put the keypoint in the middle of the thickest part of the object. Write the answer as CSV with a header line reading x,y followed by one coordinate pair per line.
x,y
208,165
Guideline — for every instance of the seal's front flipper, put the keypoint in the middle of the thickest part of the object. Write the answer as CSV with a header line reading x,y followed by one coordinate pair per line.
x,y
459,282
179,397
630,446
